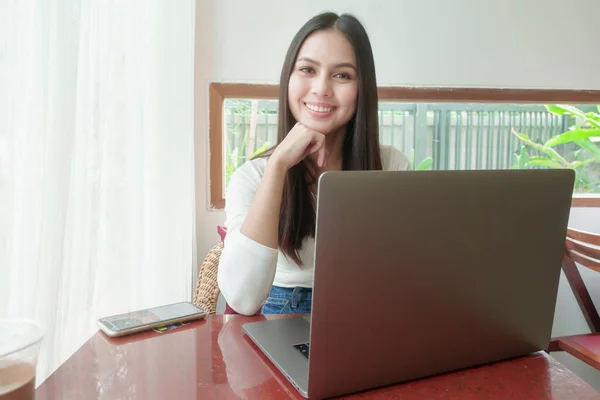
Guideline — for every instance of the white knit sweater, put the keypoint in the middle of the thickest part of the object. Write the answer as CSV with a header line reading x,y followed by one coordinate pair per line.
x,y
248,269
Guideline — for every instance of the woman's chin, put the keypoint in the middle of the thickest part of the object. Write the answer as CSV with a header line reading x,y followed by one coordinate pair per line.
x,y
321,128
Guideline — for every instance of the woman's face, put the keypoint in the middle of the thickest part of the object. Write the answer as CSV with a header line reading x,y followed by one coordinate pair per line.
x,y
323,86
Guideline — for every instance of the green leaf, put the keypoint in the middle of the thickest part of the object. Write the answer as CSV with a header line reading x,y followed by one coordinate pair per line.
x,y
524,159
425,164
262,149
244,139
544,162
549,151
579,164
521,159
561,109
234,157
523,136
572,136
555,109
590,147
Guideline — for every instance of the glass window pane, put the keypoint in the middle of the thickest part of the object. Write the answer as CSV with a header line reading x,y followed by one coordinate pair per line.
x,y
450,136
250,126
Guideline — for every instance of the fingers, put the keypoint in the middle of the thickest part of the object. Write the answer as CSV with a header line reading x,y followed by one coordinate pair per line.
x,y
321,149
315,147
318,150
303,142
322,156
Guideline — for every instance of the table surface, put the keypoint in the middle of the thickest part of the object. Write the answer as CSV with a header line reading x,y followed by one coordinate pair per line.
x,y
214,359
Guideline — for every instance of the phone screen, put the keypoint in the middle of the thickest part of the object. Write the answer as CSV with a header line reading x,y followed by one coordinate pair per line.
x,y
150,315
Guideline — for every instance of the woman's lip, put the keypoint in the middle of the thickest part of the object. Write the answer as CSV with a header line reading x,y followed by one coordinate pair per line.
x,y
324,105
319,114
315,107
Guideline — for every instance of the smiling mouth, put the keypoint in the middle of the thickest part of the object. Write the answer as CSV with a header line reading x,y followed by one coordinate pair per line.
x,y
319,109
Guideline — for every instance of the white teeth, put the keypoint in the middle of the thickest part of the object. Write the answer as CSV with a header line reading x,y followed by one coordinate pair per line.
x,y
319,109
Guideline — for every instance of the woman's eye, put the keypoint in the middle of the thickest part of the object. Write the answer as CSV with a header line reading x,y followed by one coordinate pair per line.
x,y
308,70
342,76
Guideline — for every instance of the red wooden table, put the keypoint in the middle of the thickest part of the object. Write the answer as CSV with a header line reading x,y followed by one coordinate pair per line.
x,y
213,359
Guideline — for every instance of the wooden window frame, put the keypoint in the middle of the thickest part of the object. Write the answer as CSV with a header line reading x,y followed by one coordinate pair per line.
x,y
218,92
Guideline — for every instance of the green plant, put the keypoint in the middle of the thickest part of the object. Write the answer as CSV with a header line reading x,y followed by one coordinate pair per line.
x,y
235,157
237,113
584,161
425,164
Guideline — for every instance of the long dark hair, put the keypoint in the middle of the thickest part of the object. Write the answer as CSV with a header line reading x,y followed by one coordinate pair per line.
x,y
297,215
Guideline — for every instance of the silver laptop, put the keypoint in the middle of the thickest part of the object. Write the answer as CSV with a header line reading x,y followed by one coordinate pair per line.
x,y
424,272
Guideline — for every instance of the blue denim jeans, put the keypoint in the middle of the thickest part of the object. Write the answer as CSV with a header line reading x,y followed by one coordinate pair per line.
x,y
283,300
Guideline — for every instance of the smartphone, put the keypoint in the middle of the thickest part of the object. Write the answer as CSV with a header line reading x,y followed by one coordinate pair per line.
x,y
143,320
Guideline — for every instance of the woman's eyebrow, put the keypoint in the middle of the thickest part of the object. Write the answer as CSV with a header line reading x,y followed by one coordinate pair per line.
x,y
339,65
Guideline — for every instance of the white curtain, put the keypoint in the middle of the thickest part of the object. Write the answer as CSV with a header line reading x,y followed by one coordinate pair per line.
x,y
96,162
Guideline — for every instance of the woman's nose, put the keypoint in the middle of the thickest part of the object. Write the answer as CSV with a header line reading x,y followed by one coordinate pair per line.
x,y
322,87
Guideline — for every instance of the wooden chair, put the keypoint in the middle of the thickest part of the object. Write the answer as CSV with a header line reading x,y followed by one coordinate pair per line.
x,y
207,289
582,248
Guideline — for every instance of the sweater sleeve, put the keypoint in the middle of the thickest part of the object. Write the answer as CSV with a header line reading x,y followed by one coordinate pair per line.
x,y
246,267
394,159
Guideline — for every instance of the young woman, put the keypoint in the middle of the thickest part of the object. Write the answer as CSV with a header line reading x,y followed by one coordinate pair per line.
x,y
327,121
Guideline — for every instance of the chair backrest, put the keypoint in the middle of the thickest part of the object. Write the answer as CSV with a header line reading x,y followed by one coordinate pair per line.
x,y
582,248
207,290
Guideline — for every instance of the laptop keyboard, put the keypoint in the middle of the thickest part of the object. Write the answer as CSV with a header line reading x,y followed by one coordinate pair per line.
x,y
303,348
